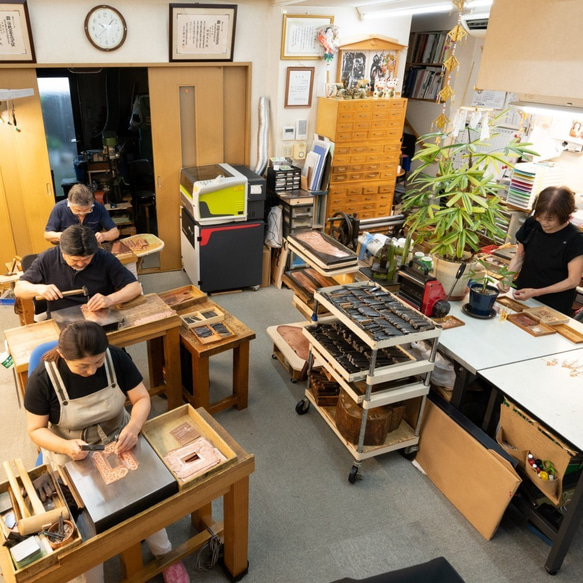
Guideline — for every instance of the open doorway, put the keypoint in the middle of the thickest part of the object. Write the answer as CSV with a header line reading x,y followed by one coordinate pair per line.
x,y
98,128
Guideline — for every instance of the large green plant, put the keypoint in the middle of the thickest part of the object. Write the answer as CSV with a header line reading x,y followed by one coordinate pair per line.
x,y
452,196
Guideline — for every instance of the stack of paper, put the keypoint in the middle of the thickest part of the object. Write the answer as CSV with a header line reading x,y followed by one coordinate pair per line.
x,y
528,179
315,164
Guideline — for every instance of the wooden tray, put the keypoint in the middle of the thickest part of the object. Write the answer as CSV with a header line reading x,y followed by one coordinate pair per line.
x,y
157,432
449,322
183,297
210,333
510,303
47,561
547,315
202,318
569,333
530,325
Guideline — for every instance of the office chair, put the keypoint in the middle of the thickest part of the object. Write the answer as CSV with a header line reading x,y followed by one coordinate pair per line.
x,y
38,352
40,306
143,189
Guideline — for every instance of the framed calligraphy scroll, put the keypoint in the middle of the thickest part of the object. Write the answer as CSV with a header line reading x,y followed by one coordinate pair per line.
x,y
202,32
15,36
299,39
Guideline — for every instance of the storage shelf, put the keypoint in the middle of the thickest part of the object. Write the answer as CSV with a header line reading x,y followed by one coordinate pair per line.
x,y
363,334
376,399
403,436
382,374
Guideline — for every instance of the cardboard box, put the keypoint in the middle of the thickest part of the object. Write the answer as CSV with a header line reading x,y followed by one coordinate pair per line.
x,y
520,434
158,433
474,478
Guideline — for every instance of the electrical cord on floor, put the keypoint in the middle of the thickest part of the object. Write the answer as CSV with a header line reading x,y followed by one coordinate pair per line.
x,y
209,554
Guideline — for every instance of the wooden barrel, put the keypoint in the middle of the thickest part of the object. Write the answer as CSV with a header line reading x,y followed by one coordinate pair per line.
x,y
380,420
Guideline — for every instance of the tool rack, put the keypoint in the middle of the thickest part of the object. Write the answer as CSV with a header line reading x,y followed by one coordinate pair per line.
x,y
414,374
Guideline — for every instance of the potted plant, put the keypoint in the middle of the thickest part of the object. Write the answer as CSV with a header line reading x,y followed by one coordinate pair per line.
x,y
452,197
483,292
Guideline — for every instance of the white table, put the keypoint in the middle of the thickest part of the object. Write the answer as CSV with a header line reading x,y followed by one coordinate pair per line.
x,y
483,344
549,391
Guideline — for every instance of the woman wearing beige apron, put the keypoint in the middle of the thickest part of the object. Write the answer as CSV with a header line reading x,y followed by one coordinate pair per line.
x,y
76,396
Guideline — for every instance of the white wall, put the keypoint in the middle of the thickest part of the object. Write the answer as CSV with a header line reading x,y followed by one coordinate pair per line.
x,y
59,39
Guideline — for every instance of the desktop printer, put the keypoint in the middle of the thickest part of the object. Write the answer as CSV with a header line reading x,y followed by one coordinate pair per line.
x,y
214,194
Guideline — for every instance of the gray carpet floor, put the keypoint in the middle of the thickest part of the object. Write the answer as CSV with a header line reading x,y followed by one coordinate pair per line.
x,y
307,523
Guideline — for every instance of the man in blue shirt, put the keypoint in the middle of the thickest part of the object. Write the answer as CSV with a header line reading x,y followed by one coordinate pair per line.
x,y
76,262
80,208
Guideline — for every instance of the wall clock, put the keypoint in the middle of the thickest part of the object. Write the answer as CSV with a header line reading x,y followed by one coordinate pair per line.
x,y
105,28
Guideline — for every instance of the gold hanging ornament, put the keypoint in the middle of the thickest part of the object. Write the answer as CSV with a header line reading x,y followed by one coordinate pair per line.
x,y
445,93
451,63
441,121
457,33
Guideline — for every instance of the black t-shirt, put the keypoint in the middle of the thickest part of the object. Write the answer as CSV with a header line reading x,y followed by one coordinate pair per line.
x,y
105,275
546,259
40,397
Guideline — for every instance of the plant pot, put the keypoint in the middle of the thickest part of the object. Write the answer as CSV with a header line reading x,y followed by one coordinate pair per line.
x,y
445,272
481,303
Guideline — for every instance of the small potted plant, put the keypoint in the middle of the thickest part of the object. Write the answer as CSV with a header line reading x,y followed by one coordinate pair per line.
x,y
452,197
483,292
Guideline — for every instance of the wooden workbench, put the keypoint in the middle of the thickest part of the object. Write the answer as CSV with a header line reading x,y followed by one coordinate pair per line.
x,y
231,482
198,395
161,335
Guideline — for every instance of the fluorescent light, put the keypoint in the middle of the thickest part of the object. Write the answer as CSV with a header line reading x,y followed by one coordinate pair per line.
x,y
10,94
547,108
375,10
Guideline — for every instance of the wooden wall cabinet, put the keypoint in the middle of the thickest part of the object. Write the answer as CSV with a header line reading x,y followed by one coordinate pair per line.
x,y
367,134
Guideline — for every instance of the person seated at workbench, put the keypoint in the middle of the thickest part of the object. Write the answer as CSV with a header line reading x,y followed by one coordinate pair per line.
x,y
78,263
549,257
93,380
80,209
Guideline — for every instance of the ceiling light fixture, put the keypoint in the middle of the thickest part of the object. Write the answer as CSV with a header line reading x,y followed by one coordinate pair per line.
x,y
375,10
547,108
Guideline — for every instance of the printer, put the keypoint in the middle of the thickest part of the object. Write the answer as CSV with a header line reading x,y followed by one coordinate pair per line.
x,y
214,194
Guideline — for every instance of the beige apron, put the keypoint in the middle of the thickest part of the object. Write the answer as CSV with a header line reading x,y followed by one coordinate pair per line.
x,y
95,418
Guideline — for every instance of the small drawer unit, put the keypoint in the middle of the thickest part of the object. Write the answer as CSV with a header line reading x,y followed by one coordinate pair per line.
x,y
284,178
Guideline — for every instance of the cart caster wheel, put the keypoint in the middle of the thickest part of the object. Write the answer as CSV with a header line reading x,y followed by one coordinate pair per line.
x,y
553,572
274,356
354,475
302,407
409,453
293,380
255,287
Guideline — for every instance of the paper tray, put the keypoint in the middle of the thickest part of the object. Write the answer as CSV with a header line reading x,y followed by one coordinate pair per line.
x,y
153,244
157,432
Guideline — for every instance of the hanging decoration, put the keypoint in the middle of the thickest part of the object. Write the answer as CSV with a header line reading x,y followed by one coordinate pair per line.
x,y
456,34
329,37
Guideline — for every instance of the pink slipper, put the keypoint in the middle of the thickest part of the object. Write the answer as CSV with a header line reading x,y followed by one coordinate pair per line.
x,y
176,573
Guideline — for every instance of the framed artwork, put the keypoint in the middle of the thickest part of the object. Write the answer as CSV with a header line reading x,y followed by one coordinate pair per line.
x,y
298,86
299,39
374,59
202,32
15,33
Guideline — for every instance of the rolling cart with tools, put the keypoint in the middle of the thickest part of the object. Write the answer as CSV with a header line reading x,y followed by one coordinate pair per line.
x,y
365,348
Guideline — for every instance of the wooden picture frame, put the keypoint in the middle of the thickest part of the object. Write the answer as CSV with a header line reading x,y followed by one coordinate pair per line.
x,y
16,44
299,85
371,58
190,24
299,40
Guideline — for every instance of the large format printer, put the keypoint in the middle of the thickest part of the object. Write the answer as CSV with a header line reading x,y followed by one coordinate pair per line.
x,y
222,226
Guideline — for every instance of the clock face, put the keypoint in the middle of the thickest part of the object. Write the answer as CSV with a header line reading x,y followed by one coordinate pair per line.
x,y
105,28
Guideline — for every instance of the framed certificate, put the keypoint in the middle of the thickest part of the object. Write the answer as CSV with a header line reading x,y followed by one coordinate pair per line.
x,y
202,32
298,86
15,36
299,39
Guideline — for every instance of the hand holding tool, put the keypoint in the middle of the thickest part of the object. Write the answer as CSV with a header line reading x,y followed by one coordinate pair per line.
x,y
90,447
72,292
